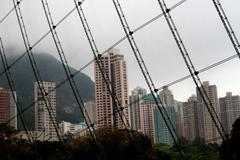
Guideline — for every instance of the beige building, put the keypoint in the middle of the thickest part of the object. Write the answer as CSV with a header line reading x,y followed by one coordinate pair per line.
x,y
115,72
207,129
230,110
190,118
179,119
43,121
8,108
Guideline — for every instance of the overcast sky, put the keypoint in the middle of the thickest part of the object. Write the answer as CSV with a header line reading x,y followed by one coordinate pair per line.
x,y
197,21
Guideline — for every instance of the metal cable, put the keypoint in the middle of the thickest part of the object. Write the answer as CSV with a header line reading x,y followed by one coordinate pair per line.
x,y
66,68
227,25
145,73
34,66
13,88
9,12
191,68
99,63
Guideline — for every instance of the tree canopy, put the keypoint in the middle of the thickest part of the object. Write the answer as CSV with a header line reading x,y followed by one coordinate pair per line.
x,y
111,144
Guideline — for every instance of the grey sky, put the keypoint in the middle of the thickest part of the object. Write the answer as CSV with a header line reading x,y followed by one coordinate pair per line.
x,y
197,21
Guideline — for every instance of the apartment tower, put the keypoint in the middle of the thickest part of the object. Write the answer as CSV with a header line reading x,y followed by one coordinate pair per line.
x,y
230,110
135,100
111,107
8,108
161,132
190,118
43,121
167,96
207,128
147,116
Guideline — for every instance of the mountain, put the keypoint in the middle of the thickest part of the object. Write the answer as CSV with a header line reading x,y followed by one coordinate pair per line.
x,y
51,70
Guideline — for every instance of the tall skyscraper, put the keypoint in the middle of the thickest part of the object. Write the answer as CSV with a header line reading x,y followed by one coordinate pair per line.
x,y
8,108
178,106
207,129
190,118
146,116
230,110
114,67
167,96
161,132
43,121
135,100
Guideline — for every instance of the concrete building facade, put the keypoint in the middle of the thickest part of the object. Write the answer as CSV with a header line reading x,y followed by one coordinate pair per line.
x,y
146,116
8,107
108,110
230,110
43,121
207,129
135,100
167,96
190,115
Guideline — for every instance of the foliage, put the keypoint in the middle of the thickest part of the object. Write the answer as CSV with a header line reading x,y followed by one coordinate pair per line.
x,y
110,143
230,149
196,150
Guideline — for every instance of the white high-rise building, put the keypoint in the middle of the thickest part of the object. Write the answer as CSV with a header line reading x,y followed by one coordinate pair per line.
x,y
135,100
43,121
115,71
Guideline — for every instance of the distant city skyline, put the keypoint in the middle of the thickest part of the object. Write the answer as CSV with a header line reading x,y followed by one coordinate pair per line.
x,y
195,117
203,38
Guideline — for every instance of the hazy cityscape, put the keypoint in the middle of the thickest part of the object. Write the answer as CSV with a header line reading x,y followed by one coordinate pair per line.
x,y
57,105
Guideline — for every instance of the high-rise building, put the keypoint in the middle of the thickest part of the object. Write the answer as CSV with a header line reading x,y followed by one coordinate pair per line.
x,y
44,121
135,100
146,116
167,96
115,72
90,112
230,110
179,119
190,118
161,132
207,128
168,101
8,108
